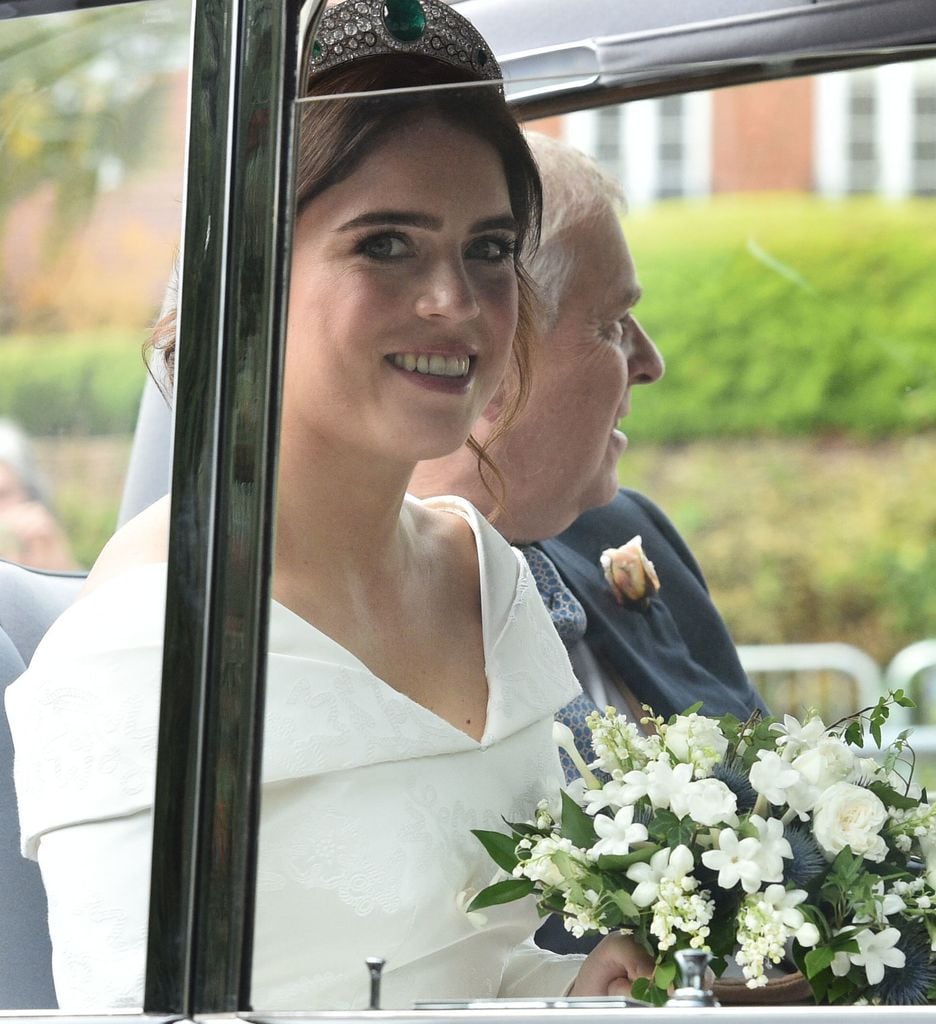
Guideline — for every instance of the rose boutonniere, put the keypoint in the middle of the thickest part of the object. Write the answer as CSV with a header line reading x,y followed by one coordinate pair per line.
x,y
630,573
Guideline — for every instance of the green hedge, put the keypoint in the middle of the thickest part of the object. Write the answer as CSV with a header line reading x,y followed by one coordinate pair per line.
x,y
788,315
779,315
76,384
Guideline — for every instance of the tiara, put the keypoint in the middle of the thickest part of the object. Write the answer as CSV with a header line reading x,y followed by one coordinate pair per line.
x,y
365,28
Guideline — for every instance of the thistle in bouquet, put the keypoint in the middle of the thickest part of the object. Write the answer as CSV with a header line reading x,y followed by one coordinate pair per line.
x,y
753,840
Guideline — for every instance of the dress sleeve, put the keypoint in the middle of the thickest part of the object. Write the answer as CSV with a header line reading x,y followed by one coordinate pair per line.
x,y
96,877
531,971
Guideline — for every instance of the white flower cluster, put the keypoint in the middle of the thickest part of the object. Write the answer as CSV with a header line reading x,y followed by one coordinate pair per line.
x,y
695,740
619,744
766,920
680,908
876,950
672,820
582,912
751,860
817,775
552,861
917,823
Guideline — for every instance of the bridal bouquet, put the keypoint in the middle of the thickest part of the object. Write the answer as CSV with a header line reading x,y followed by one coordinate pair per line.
x,y
747,839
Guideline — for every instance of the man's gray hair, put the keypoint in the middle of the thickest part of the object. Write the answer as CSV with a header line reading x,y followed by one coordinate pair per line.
x,y
575,190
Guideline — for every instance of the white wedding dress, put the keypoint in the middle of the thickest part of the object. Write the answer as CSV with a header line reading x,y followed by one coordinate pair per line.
x,y
368,802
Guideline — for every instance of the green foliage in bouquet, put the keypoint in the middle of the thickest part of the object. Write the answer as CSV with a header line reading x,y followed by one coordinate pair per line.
x,y
747,839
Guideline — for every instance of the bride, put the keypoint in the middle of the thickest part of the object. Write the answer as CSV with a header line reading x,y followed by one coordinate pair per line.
x,y
413,671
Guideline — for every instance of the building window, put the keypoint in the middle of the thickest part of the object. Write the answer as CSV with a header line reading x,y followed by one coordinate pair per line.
x,y
671,147
923,153
608,148
862,114
658,149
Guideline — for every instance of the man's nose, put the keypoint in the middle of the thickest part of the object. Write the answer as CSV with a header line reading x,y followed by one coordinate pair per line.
x,y
447,291
645,364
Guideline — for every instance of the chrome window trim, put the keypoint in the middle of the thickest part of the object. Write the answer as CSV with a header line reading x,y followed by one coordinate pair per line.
x,y
235,263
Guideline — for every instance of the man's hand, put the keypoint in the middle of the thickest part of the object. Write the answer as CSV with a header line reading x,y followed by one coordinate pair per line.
x,y
611,968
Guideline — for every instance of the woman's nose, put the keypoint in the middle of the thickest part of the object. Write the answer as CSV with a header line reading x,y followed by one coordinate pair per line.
x,y
447,291
645,364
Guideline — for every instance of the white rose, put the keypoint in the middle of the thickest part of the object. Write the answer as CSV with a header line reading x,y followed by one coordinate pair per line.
x,y
697,740
829,761
707,802
848,815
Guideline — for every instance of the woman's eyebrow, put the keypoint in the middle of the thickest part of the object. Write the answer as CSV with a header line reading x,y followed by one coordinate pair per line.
x,y
412,219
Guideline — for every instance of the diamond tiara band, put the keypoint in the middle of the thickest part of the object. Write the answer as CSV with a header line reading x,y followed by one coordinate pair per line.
x,y
365,28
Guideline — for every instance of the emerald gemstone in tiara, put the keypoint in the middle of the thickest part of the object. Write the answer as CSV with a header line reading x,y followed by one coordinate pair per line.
x,y
356,29
405,19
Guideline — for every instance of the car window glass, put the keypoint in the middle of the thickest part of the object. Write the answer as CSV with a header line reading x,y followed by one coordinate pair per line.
x,y
784,236
92,120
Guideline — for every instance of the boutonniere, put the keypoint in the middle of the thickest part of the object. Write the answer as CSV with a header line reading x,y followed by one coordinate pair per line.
x,y
630,573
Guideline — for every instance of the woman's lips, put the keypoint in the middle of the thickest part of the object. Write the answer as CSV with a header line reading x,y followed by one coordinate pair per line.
x,y
434,364
435,371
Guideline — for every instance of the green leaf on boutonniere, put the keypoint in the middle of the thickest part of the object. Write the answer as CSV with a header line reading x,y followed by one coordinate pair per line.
x,y
501,849
576,824
501,892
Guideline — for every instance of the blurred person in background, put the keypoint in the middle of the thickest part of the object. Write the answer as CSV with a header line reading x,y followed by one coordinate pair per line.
x,y
29,532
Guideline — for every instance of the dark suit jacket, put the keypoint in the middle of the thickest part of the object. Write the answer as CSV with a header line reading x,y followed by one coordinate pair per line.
x,y
677,651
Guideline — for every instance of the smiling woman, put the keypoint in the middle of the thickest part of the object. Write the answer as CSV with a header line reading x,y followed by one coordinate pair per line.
x,y
407,303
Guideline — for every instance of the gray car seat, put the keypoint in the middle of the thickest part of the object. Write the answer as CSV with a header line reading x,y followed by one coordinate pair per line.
x,y
30,601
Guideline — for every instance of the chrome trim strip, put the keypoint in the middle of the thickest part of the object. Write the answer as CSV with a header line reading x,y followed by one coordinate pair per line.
x,y
238,220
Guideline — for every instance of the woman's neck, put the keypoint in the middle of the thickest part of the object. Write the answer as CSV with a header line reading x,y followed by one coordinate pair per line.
x,y
338,516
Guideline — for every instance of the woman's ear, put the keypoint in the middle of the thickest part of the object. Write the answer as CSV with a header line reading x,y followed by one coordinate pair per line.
x,y
493,410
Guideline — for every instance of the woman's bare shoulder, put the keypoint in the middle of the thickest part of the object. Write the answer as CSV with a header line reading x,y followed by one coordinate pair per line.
x,y
142,541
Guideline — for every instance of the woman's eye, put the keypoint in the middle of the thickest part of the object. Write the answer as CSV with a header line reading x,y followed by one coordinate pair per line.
x,y
384,247
492,250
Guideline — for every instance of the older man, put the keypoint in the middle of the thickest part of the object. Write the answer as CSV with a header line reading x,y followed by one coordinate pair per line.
x,y
559,466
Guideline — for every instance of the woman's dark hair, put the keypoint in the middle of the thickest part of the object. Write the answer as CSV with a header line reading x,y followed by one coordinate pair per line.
x,y
339,131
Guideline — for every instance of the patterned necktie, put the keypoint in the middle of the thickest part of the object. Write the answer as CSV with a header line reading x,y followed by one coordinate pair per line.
x,y
568,617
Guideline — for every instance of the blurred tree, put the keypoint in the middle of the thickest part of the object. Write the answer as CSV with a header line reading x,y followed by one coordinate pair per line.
x,y
80,96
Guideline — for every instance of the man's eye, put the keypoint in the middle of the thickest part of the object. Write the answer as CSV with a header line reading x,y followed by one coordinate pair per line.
x,y
384,247
613,333
492,250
